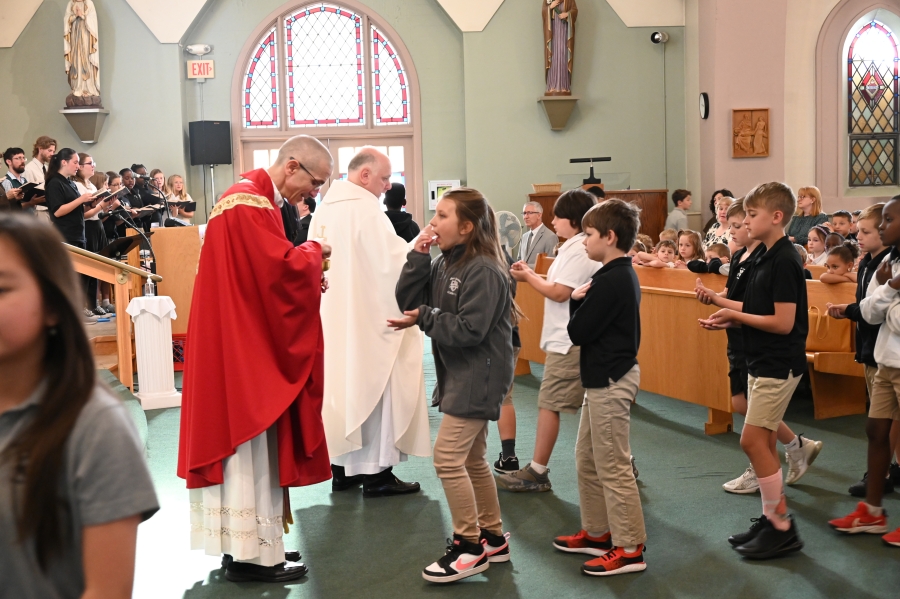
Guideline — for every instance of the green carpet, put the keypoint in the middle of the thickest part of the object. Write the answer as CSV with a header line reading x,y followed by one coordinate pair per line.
x,y
377,547
131,403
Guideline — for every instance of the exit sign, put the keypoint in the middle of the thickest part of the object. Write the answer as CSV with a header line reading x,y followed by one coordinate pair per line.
x,y
201,69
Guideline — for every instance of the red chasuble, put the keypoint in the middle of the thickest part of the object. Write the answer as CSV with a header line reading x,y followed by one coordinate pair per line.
x,y
254,349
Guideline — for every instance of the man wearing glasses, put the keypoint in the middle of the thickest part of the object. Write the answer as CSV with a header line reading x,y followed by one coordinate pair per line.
x,y
251,414
538,239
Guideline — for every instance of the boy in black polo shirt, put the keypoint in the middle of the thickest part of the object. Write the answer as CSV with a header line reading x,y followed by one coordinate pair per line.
x,y
606,322
775,325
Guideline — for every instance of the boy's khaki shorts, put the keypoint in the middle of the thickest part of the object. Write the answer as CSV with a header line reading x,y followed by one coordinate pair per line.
x,y
768,399
561,389
883,402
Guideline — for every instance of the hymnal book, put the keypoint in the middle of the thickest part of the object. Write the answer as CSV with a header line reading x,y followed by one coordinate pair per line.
x,y
186,206
32,190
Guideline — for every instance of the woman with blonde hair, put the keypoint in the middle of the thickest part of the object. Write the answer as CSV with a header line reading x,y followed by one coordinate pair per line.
x,y
178,193
719,232
809,214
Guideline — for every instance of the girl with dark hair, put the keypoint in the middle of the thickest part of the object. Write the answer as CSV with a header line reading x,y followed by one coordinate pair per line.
x,y
95,236
463,302
561,389
73,482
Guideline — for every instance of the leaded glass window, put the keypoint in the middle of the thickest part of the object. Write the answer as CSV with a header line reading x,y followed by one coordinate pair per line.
x,y
339,70
260,93
872,79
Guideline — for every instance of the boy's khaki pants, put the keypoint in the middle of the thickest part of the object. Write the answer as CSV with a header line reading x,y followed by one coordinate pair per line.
x,y
460,459
606,485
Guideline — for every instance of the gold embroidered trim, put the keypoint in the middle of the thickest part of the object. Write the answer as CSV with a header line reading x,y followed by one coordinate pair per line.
x,y
237,535
239,199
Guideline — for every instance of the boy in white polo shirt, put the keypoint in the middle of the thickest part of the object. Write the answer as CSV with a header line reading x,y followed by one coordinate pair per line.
x,y
561,389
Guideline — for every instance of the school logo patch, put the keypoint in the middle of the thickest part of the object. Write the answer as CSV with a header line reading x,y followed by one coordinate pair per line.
x,y
454,285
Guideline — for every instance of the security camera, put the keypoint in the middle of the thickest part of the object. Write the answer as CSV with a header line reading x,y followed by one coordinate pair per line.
x,y
659,37
198,49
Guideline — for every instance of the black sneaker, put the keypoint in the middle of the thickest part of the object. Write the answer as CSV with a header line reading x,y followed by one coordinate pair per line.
x,y
859,489
504,465
496,546
895,473
744,537
770,542
463,559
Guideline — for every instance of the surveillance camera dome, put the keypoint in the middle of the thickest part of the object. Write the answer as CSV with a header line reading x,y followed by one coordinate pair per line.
x,y
659,37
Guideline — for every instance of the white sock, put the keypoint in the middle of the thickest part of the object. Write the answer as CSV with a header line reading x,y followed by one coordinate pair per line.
x,y
630,549
794,444
874,510
104,303
597,535
539,468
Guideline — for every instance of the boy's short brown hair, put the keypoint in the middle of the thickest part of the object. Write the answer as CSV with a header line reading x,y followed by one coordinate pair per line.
x,y
615,215
736,209
666,243
720,249
842,214
679,196
646,240
670,234
873,212
775,197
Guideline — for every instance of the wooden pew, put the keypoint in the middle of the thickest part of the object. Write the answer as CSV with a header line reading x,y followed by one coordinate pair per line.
x,y
838,383
816,271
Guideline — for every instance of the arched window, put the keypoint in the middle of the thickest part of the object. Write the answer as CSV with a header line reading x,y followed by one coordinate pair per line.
x,y
872,79
338,73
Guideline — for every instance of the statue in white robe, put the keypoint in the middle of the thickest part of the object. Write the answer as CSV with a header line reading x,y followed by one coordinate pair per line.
x,y
374,410
82,53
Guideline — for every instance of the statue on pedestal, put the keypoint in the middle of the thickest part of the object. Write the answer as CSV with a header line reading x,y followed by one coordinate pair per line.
x,y
559,45
82,54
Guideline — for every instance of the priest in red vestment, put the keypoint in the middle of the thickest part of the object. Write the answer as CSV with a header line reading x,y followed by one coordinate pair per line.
x,y
251,416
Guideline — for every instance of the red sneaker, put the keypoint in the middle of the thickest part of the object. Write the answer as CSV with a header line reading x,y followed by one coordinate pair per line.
x,y
617,561
582,543
861,521
892,538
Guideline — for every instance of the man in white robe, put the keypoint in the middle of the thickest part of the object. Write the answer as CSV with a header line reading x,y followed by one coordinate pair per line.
x,y
374,409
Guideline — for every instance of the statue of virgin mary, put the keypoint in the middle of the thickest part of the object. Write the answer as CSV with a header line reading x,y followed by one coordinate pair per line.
x,y
559,45
82,54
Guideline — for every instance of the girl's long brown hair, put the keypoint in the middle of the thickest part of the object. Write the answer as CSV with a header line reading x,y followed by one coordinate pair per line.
x,y
37,453
484,240
695,242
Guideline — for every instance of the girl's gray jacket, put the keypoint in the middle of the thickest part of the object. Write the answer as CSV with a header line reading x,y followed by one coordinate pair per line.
x,y
466,312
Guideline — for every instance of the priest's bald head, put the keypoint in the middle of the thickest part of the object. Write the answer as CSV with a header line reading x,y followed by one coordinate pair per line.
x,y
371,170
302,167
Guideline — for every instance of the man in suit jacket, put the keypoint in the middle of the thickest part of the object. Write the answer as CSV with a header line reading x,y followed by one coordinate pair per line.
x,y
538,239
306,210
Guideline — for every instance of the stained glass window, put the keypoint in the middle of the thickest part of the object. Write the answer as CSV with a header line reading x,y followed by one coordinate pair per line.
x,y
872,79
388,82
325,67
260,93
339,70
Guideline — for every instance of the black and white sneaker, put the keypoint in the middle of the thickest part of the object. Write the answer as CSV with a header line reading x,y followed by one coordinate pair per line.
x,y
506,465
463,559
496,546
98,311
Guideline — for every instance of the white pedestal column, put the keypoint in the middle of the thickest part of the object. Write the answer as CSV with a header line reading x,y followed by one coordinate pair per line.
x,y
152,318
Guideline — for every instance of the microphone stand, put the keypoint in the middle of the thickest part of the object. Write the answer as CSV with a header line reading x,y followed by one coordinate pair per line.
x,y
169,219
126,218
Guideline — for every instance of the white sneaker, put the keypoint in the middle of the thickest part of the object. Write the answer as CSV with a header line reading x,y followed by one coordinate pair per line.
x,y
800,459
463,559
744,484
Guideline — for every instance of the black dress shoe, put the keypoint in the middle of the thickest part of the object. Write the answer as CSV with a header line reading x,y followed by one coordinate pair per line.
x,y
385,484
745,537
290,556
244,572
770,542
341,482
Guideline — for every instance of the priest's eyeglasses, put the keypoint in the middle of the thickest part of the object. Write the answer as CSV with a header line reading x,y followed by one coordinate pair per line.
x,y
315,182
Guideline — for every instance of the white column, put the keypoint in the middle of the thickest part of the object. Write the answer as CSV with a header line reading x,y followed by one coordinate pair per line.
x,y
152,318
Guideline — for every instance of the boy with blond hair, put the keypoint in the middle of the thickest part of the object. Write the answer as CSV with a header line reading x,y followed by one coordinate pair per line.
x,y
774,322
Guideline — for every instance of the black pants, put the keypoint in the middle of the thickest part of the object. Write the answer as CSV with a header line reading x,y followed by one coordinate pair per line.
x,y
95,236
88,283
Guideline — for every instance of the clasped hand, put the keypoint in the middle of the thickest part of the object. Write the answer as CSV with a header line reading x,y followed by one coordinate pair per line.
x,y
520,271
723,319
704,293
579,293
884,274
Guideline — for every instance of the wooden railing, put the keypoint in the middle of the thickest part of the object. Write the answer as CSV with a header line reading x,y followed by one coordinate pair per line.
x,y
120,276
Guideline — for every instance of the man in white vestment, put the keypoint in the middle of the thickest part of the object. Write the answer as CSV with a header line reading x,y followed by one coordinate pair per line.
x,y
374,409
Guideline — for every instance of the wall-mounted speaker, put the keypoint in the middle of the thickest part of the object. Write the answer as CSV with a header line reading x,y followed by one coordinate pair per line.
x,y
210,142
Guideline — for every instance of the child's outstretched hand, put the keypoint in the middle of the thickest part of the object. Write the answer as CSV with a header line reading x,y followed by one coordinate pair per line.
x,y
578,294
723,319
410,318
425,240
704,293
838,311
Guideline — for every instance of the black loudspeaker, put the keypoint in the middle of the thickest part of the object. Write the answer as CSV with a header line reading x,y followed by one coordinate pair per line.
x,y
210,142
